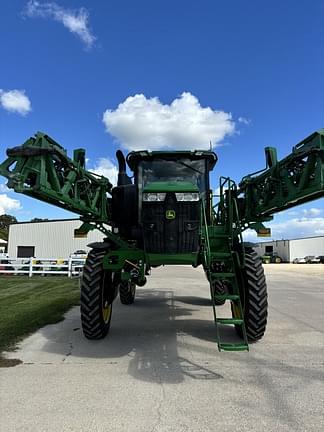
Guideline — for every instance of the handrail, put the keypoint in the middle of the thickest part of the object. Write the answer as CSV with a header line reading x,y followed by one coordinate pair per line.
x,y
207,257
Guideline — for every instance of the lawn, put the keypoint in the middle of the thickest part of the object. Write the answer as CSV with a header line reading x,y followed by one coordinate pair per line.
x,y
26,304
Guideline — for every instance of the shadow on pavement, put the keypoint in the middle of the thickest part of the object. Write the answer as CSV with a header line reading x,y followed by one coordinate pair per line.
x,y
148,332
192,300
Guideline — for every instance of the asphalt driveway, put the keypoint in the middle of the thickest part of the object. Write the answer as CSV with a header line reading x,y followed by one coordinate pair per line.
x,y
159,368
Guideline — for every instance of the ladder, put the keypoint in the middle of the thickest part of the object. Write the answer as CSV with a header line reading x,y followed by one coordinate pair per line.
x,y
221,263
224,262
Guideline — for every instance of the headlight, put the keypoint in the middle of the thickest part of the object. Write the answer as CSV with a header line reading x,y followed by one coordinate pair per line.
x,y
187,196
154,196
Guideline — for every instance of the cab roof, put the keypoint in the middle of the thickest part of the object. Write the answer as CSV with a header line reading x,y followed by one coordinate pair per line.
x,y
134,158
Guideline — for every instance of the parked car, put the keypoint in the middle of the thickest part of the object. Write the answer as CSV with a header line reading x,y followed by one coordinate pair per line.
x,y
311,259
78,265
299,261
321,258
4,258
79,254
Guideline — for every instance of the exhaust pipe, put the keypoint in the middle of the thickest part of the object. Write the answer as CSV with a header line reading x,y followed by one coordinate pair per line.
x,y
123,178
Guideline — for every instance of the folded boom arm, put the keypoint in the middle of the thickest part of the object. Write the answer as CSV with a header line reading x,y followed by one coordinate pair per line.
x,y
296,179
40,168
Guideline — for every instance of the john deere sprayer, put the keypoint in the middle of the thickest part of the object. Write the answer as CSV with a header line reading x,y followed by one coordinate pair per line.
x,y
166,216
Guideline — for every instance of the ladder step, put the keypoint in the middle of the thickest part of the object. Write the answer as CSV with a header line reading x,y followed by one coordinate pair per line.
x,y
229,321
222,275
222,297
233,347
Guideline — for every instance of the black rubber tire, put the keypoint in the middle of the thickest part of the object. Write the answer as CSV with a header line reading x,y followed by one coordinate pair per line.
x,y
219,289
95,283
127,292
254,298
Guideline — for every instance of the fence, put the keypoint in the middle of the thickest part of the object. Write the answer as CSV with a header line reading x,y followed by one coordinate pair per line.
x,y
42,266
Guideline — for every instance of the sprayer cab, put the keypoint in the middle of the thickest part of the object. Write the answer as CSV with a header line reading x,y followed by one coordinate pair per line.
x,y
162,208
172,170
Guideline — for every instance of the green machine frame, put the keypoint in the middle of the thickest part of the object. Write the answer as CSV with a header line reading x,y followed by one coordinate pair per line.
x,y
41,169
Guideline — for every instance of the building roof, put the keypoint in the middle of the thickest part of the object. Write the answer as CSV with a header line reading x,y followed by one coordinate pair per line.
x,y
300,238
45,221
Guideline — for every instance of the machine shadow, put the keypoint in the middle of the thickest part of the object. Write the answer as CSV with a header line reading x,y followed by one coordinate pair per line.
x,y
147,333
193,300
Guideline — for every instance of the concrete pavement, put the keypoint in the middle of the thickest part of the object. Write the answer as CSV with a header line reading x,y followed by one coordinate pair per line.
x,y
159,368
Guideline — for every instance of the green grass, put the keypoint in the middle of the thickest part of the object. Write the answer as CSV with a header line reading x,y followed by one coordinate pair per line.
x,y
26,304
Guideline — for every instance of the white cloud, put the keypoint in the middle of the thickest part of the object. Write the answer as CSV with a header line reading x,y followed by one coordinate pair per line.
x,y
105,167
145,123
244,120
15,101
312,212
76,21
292,213
290,229
302,227
8,204
3,188
251,236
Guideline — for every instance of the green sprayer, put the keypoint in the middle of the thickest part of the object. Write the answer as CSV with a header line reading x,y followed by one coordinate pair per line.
x,y
166,216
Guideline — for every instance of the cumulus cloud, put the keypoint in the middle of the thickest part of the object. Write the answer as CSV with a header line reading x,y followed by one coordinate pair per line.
x,y
146,123
15,101
302,227
106,168
76,21
8,204
312,212
290,229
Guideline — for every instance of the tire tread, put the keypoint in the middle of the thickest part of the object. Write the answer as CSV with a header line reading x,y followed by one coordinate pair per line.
x,y
93,325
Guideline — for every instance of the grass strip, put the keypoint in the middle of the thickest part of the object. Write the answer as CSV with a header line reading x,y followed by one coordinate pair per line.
x,y
26,304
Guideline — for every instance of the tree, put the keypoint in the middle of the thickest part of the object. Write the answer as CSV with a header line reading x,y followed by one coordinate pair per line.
x,y
5,222
38,220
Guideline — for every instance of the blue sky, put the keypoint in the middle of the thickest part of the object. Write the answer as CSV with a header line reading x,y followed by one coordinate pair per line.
x,y
249,74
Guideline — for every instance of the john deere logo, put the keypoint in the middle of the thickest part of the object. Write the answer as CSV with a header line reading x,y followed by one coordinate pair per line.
x,y
170,214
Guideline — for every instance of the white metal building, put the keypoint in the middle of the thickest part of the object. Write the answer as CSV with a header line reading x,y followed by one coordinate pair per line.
x,y
288,250
48,239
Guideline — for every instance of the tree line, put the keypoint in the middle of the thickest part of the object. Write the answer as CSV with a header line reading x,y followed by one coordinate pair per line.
x,y
6,220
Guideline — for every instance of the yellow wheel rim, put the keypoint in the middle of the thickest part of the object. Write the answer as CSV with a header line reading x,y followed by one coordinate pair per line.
x,y
106,312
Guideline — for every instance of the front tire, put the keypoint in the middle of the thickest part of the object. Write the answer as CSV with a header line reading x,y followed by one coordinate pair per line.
x,y
96,303
127,292
254,298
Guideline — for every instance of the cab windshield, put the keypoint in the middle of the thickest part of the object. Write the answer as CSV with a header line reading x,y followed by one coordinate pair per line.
x,y
173,170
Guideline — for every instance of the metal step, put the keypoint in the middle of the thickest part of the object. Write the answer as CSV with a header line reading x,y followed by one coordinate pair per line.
x,y
229,321
233,346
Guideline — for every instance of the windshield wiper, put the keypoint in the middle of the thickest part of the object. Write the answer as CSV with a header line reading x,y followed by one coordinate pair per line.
x,y
189,166
184,164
